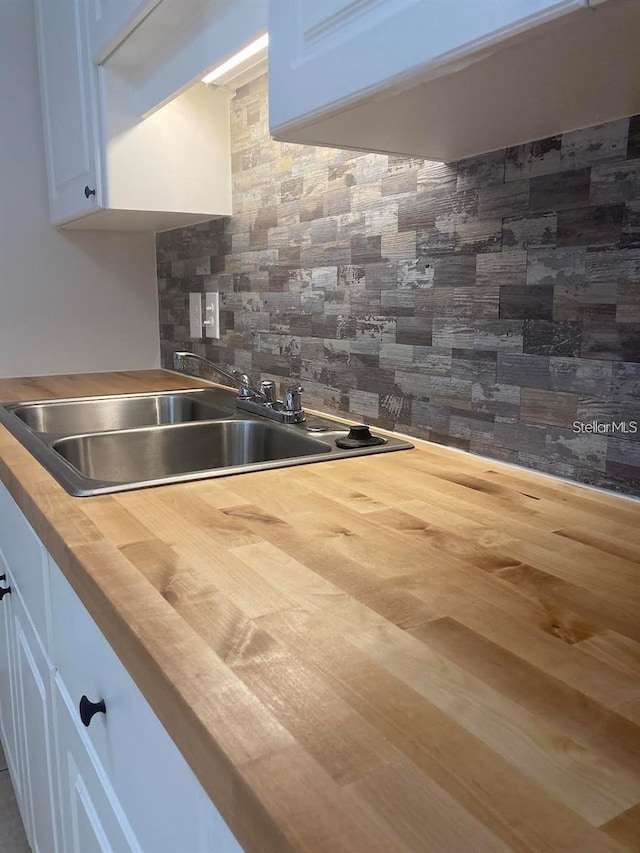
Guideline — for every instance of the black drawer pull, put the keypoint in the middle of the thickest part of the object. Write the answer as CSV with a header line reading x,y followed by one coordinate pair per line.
x,y
88,709
4,592
88,192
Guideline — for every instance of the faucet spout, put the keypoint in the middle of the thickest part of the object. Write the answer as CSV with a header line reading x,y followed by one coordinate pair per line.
x,y
240,380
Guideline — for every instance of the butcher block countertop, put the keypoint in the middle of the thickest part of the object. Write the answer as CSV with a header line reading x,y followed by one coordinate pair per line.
x,y
416,651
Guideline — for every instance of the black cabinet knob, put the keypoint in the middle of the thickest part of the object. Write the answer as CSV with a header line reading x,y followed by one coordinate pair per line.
x,y
88,192
3,577
88,709
4,592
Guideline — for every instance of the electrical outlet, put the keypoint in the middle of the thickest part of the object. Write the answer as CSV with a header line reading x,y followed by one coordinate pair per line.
x,y
195,315
212,314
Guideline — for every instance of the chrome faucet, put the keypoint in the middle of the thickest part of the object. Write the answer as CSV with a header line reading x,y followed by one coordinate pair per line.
x,y
260,402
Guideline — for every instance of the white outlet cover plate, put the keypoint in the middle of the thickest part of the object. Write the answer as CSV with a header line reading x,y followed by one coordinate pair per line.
x,y
195,315
212,314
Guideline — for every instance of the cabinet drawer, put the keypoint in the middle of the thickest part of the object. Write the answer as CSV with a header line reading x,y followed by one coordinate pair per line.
x,y
25,556
164,803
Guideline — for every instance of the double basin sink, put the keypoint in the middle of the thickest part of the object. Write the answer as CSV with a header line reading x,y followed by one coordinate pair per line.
x,y
98,445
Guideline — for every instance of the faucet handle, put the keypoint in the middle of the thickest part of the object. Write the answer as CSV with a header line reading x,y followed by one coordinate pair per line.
x,y
268,390
292,401
244,383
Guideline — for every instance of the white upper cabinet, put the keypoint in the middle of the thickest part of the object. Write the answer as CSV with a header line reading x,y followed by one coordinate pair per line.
x,y
69,108
133,140
447,79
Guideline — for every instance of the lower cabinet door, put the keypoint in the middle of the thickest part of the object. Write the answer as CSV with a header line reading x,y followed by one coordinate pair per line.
x,y
33,706
91,817
8,734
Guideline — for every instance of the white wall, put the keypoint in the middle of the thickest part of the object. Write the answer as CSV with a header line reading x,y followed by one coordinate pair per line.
x,y
69,301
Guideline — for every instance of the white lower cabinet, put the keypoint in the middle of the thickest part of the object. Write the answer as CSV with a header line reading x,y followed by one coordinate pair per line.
x,y
113,781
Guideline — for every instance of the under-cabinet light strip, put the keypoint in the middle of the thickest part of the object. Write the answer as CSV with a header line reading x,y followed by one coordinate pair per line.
x,y
237,58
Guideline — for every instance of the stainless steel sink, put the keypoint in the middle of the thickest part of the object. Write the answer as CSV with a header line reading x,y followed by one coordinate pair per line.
x,y
127,411
152,454
98,445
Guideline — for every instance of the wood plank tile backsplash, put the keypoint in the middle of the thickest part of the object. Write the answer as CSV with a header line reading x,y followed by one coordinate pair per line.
x,y
491,304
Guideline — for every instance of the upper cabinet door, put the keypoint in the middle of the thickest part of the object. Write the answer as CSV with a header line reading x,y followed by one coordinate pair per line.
x,y
323,55
68,90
